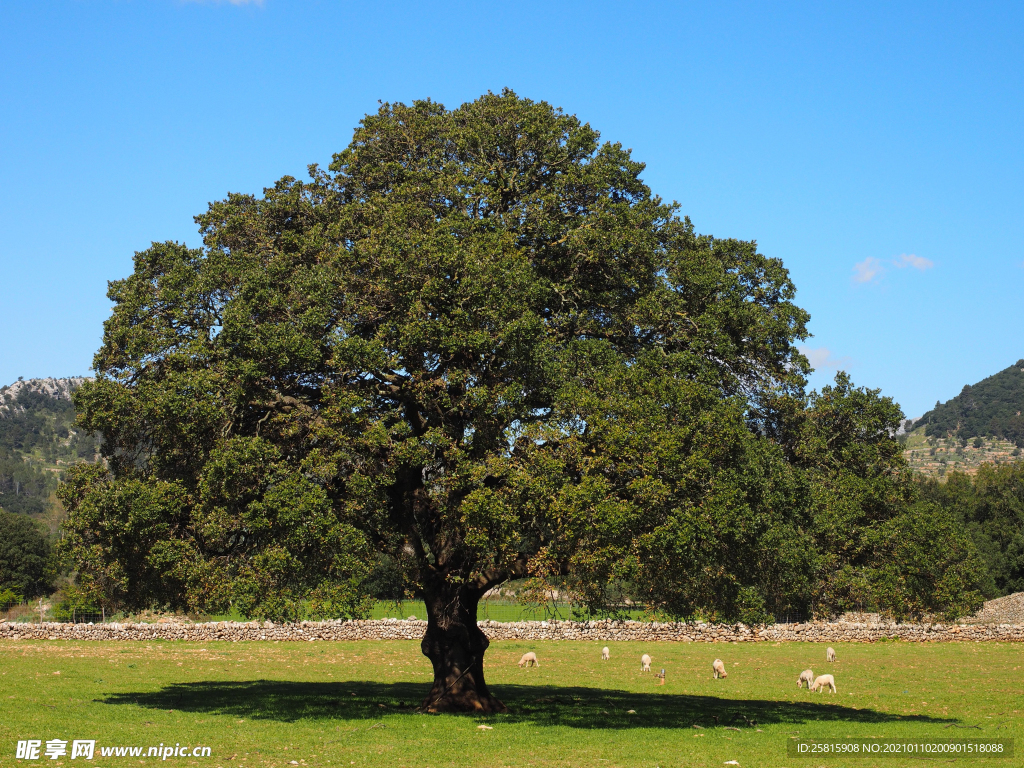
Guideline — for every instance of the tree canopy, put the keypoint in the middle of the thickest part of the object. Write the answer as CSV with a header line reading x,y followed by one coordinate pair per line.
x,y
479,345
24,556
991,505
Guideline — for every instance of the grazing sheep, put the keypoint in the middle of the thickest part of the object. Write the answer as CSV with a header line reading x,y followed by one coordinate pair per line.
x,y
605,654
645,663
719,669
830,654
529,660
807,676
824,681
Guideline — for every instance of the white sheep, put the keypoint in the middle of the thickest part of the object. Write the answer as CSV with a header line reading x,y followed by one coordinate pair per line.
x,y
824,681
718,669
830,654
645,663
529,660
807,676
605,654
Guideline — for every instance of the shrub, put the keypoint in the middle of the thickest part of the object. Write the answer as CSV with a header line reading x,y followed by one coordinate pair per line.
x,y
8,598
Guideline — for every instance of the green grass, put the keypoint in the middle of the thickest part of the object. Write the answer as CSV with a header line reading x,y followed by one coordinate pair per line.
x,y
267,704
493,610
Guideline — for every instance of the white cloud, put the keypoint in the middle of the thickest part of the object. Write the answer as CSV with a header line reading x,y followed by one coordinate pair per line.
x,y
822,357
871,269
867,270
917,262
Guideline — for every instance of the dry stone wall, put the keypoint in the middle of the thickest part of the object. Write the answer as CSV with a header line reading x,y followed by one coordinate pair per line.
x,y
1002,610
603,631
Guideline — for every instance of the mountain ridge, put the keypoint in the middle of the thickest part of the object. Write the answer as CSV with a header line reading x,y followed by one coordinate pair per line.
x,y
38,440
56,388
990,408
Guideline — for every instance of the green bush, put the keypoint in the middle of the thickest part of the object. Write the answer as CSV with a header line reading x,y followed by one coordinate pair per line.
x,y
72,602
9,597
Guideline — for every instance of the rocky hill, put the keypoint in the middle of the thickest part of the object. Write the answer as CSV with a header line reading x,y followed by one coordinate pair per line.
x,y
55,389
38,439
981,425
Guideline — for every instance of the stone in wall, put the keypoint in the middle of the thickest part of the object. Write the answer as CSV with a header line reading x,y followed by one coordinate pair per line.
x,y
395,629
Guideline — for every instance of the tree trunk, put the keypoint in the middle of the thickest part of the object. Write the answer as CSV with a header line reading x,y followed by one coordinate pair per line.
x,y
455,646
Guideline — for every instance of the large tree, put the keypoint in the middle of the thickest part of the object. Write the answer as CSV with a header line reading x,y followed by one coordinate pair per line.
x,y
877,545
477,344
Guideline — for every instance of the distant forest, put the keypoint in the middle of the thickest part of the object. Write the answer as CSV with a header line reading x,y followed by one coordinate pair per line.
x,y
37,438
990,408
991,505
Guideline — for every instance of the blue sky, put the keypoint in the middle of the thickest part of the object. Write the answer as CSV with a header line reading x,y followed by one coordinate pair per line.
x,y
875,148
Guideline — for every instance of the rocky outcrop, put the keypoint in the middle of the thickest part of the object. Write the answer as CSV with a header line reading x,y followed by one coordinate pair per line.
x,y
58,389
604,631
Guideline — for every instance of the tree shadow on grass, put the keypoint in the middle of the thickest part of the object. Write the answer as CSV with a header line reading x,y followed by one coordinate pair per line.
x,y
577,707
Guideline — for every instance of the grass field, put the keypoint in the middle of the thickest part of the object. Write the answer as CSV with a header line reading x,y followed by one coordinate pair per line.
x,y
269,704
494,610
